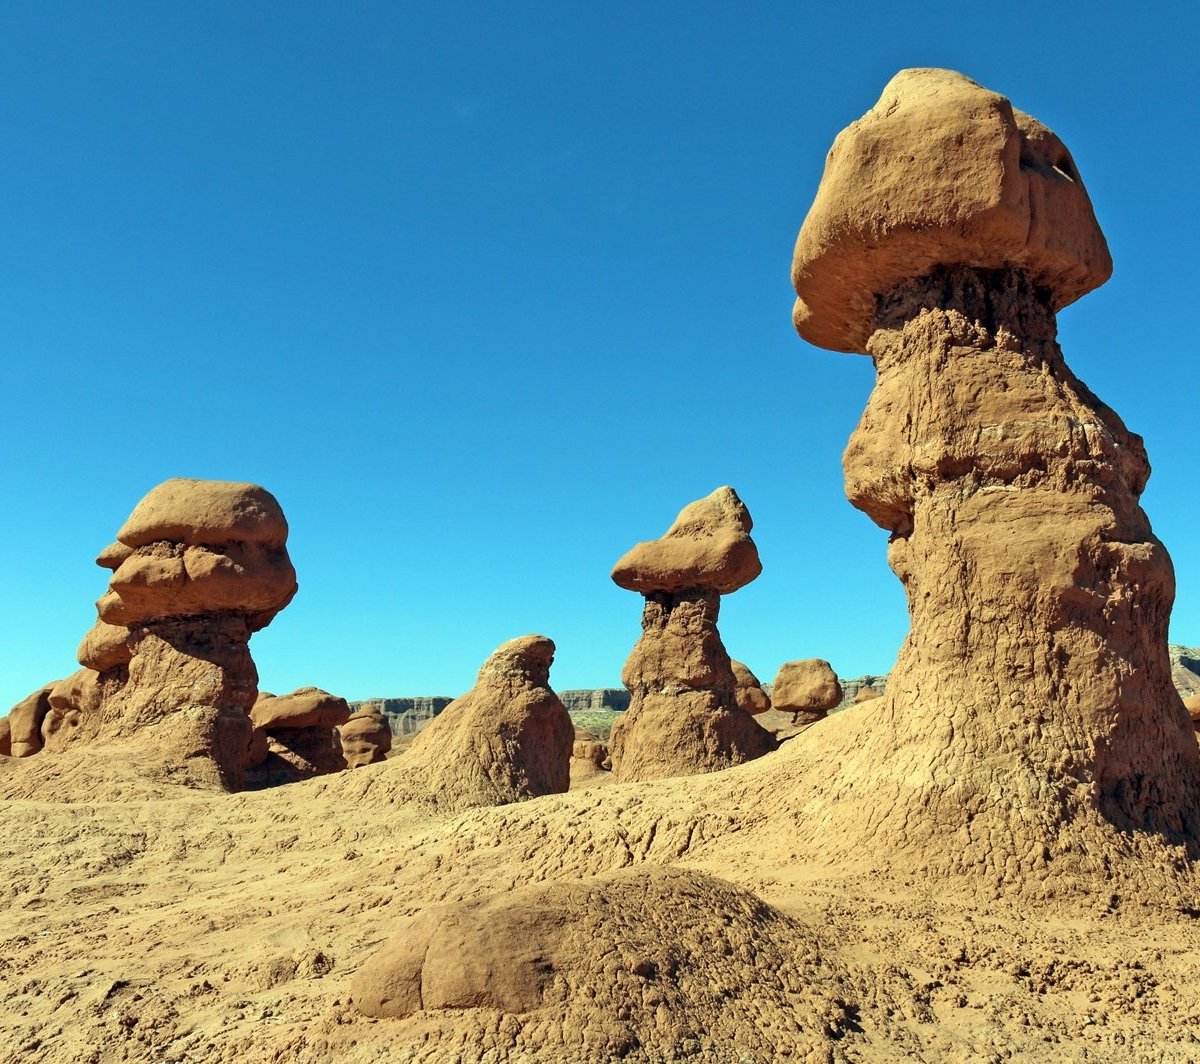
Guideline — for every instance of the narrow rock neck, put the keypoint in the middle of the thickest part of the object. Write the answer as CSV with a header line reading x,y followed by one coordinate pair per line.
x,y
978,307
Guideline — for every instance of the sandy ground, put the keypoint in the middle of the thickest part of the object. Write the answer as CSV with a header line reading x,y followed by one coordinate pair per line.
x,y
177,926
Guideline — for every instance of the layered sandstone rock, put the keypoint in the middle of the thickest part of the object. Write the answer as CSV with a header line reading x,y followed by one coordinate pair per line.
x,y
684,715
507,739
300,735
807,689
1030,717
364,739
197,568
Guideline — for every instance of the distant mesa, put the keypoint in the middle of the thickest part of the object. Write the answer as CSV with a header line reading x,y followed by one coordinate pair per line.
x,y
684,716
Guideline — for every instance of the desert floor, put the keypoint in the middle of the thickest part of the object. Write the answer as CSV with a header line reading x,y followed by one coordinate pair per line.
x,y
143,922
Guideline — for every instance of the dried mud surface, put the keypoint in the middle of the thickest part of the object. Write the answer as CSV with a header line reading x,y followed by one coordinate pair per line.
x,y
152,922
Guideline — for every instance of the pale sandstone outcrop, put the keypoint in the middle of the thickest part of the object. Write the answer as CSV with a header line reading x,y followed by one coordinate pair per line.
x,y
807,689
684,716
1030,718
507,739
197,568
364,739
866,694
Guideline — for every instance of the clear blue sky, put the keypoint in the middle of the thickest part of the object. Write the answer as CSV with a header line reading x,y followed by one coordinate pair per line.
x,y
484,293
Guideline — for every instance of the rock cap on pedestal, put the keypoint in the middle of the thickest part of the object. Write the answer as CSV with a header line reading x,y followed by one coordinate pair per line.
x,y
208,512
810,687
708,546
940,172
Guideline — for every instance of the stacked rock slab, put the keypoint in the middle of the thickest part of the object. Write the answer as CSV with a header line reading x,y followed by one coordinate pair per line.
x,y
197,568
1030,718
807,689
507,739
300,737
684,716
365,738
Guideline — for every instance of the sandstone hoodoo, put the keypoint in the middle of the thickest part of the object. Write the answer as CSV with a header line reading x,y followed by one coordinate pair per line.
x,y
684,716
300,735
507,739
865,694
807,689
197,568
1030,721
364,739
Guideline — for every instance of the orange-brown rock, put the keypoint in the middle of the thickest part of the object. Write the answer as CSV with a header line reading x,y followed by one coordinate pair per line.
x,y
1030,724
807,689
748,691
865,694
708,546
1192,705
507,739
198,567
941,171
683,715
365,738
105,647
306,707
300,736
25,723
5,737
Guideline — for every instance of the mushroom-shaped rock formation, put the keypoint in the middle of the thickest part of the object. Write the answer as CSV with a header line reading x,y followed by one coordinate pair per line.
x,y
507,739
198,566
365,738
941,171
1030,723
807,689
25,723
748,691
683,715
301,741
621,966
865,694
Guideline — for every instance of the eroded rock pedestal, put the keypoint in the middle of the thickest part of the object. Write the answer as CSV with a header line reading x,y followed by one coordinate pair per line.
x,y
1031,711
197,568
684,715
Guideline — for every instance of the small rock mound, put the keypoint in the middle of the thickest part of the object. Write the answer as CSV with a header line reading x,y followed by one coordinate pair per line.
x,y
649,959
